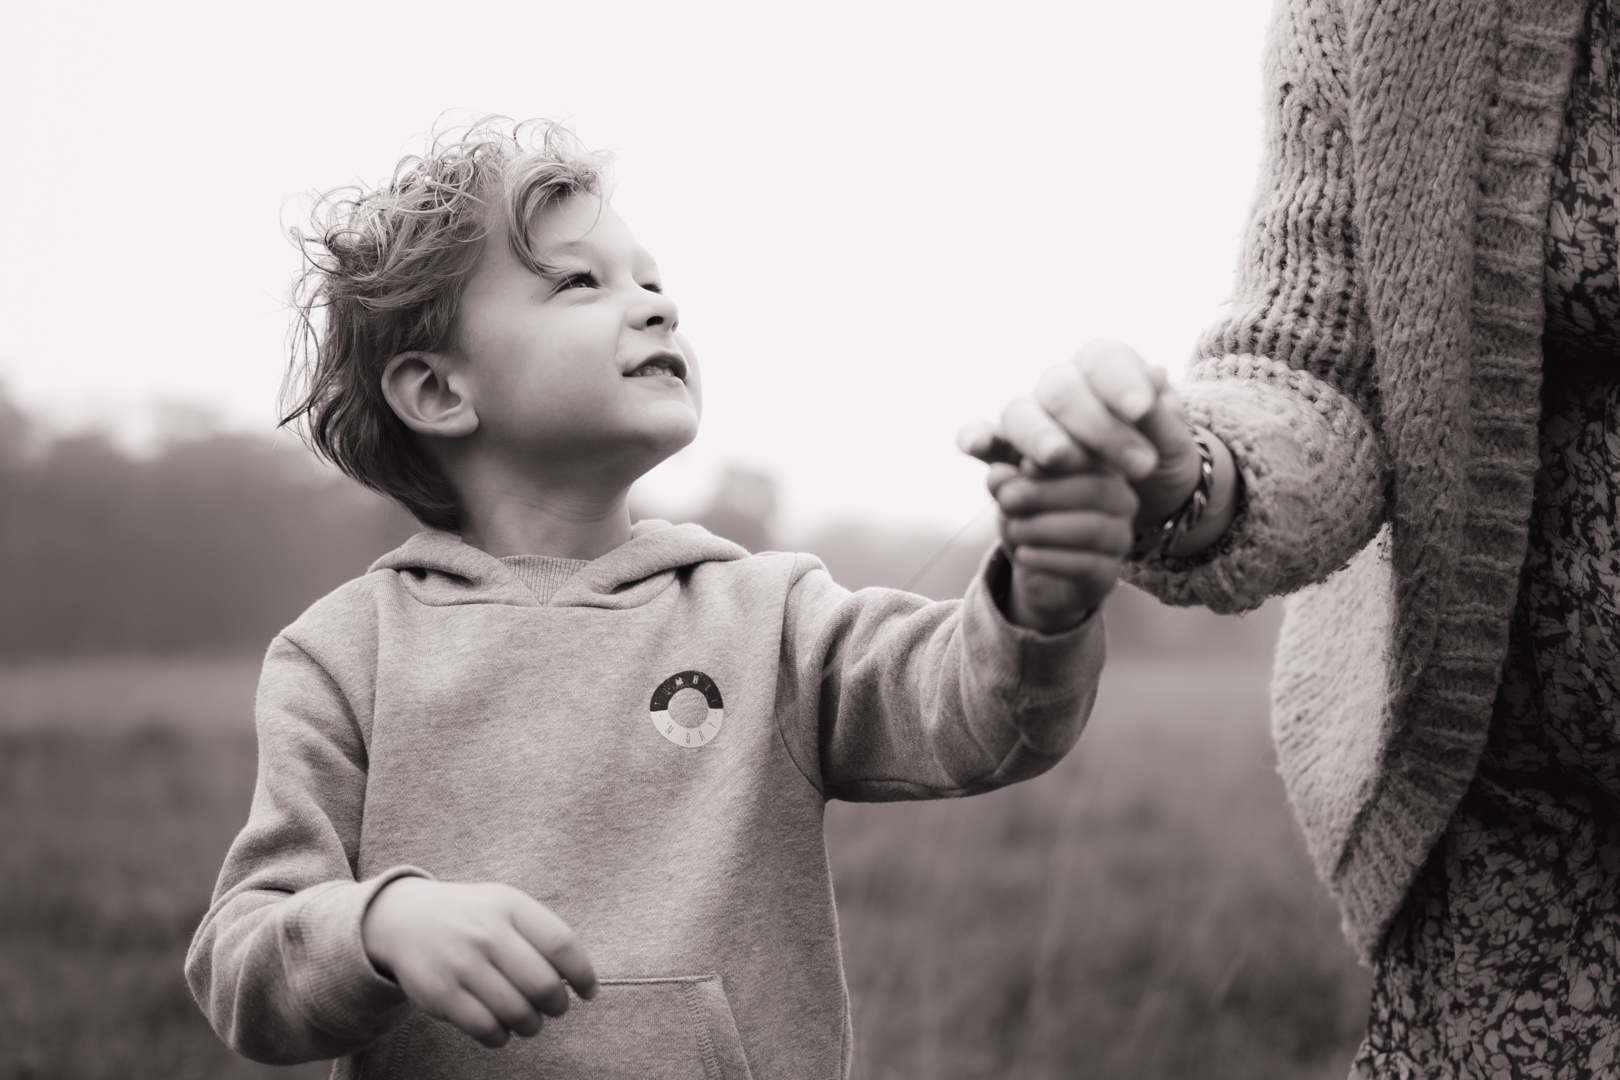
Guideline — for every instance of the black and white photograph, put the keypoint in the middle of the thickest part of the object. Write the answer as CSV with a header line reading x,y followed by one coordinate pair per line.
x,y
848,541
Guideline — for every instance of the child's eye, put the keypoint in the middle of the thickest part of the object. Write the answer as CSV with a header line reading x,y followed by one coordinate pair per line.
x,y
584,280
653,286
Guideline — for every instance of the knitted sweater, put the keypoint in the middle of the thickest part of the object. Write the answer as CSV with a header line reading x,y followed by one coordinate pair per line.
x,y
1377,381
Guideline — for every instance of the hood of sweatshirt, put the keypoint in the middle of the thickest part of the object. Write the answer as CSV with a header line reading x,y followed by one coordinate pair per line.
x,y
437,569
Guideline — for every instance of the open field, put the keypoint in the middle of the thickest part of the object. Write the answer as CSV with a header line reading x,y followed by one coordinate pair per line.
x,y
1144,911
112,844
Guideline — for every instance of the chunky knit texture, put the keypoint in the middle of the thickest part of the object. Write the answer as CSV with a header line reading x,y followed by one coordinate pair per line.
x,y
1377,381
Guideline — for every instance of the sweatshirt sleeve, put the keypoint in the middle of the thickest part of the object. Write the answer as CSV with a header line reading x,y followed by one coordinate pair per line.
x,y
277,964
885,695
1286,380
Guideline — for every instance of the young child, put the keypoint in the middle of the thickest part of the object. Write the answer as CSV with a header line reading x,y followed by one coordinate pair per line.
x,y
538,747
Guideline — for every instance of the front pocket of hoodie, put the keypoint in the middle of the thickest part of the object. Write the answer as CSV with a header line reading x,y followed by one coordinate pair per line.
x,y
635,1029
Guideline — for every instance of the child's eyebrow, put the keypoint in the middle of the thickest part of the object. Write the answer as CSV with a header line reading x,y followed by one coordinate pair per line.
x,y
554,253
580,246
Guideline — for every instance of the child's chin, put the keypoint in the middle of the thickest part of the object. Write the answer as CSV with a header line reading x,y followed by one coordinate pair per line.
x,y
668,434
679,440
676,421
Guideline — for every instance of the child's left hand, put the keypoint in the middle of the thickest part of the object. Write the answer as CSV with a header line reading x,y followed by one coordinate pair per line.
x,y
1067,537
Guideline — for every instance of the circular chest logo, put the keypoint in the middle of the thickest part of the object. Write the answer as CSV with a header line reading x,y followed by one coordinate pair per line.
x,y
686,709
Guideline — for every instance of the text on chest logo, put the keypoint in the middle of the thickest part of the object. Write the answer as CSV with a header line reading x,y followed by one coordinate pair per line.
x,y
687,709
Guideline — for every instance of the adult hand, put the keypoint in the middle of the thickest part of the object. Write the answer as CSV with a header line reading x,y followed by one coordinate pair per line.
x,y
1108,409
487,958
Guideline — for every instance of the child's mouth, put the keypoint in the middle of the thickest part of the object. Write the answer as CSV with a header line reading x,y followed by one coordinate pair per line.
x,y
662,364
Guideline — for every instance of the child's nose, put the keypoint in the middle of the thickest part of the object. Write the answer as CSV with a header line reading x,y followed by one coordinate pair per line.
x,y
659,311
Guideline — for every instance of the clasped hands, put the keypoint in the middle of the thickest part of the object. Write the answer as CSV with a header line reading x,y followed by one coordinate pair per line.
x,y
1100,451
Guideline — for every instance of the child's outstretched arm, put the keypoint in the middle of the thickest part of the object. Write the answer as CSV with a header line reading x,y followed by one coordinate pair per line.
x,y
889,696
297,960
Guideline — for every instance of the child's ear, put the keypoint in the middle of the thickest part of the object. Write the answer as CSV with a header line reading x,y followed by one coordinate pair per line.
x,y
426,394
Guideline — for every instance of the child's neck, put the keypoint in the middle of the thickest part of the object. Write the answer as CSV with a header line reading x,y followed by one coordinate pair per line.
x,y
529,519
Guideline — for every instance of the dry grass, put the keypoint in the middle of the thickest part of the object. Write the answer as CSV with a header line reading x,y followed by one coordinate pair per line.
x,y
1144,911
112,844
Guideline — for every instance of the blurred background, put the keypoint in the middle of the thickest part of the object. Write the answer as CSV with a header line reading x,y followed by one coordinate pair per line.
x,y
880,220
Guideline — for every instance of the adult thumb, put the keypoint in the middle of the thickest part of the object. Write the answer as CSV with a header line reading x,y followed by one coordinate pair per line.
x,y
1165,425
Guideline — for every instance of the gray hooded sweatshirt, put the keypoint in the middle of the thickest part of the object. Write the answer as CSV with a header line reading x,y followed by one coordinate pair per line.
x,y
648,753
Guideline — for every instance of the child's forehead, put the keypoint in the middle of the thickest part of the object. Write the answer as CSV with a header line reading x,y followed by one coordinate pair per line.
x,y
584,226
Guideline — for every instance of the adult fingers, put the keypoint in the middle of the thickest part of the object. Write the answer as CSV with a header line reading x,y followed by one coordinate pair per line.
x,y
556,941
1076,530
1068,398
980,439
1038,437
1165,425
1020,495
1124,382
500,998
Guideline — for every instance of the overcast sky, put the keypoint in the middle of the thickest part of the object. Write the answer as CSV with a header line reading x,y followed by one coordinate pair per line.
x,y
880,220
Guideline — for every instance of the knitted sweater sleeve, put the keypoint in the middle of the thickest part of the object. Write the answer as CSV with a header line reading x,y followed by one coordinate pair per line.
x,y
884,695
1286,380
277,964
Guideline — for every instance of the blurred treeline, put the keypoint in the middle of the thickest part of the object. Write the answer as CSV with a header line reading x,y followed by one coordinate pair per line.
x,y
211,542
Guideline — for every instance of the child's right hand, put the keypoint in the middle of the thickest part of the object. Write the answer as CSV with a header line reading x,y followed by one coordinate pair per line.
x,y
487,958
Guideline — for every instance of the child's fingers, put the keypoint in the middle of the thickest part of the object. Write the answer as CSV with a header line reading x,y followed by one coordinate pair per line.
x,y
998,476
1067,396
1053,603
461,1008
1073,530
532,975
556,941
505,1002
1088,567
1057,602
1020,496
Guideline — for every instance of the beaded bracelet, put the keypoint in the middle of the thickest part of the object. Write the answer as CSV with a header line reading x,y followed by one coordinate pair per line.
x,y
1164,537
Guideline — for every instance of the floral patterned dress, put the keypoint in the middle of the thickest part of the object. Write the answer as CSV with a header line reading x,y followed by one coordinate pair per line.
x,y
1505,960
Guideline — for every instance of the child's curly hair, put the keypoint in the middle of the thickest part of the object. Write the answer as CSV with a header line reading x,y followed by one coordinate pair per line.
x,y
383,274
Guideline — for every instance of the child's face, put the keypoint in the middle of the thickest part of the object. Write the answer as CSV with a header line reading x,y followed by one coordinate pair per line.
x,y
581,368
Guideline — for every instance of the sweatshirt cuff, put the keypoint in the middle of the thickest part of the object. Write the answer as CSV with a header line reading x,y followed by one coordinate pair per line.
x,y
1033,669
343,993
